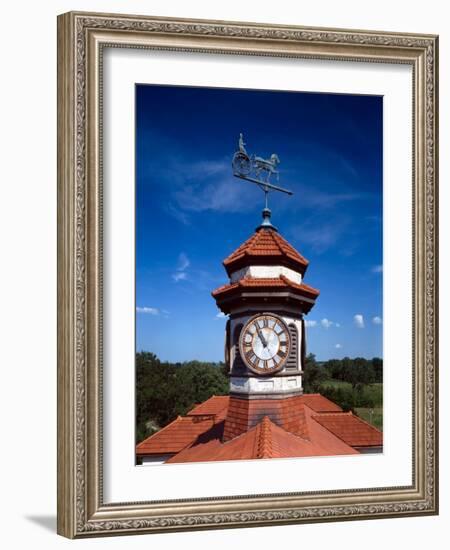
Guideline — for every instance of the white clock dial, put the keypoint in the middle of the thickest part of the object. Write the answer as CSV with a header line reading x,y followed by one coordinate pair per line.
x,y
264,343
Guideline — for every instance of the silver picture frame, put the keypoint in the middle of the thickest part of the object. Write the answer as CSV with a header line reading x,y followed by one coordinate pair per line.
x,y
82,38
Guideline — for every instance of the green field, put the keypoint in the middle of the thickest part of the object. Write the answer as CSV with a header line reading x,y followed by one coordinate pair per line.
x,y
372,391
372,416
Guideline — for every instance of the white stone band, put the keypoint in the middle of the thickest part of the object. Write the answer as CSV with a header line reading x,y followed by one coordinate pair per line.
x,y
266,272
266,386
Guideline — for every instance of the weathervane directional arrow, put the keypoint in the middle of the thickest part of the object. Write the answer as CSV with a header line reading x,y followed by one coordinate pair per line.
x,y
264,184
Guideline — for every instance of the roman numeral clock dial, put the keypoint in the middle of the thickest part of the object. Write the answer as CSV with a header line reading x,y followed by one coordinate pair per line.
x,y
264,343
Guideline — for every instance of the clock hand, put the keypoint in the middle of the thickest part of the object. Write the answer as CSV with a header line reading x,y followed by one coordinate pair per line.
x,y
261,336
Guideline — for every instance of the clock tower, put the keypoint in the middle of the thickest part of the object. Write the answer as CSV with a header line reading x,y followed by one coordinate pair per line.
x,y
265,344
266,300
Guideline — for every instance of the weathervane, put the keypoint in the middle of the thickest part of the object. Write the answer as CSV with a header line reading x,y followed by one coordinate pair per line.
x,y
252,168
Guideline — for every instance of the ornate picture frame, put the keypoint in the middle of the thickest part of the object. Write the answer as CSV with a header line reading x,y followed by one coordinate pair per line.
x,y
82,38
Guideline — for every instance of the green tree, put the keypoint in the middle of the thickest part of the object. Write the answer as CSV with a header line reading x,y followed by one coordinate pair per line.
x,y
377,365
165,390
333,368
313,375
342,396
358,371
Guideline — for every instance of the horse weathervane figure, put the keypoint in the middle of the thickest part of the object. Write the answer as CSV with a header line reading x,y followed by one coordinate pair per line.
x,y
249,167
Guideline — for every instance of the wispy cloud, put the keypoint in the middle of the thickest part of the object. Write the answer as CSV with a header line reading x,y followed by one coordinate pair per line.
x,y
176,212
220,315
377,269
358,319
322,232
338,346
206,185
325,323
200,186
209,186
220,195
324,200
183,263
207,168
149,310
377,320
179,276
348,165
327,193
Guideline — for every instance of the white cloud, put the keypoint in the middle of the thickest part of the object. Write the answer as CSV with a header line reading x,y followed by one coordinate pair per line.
x,y
183,263
208,186
178,214
150,310
321,234
359,320
325,323
314,198
179,276
377,269
338,346
221,315
206,168
377,320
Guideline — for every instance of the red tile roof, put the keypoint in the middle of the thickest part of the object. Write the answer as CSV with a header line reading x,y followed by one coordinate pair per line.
x,y
185,429
306,425
351,429
271,283
175,436
319,403
215,405
228,293
265,247
265,440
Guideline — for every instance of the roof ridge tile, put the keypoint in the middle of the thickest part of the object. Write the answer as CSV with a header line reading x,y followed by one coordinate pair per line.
x,y
264,438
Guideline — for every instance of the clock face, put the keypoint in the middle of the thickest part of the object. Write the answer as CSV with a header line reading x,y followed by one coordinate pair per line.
x,y
264,343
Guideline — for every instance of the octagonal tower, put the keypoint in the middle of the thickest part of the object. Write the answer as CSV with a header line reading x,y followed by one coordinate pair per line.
x,y
265,345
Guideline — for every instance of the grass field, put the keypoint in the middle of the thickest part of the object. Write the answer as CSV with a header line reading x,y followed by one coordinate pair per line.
x,y
374,391
373,416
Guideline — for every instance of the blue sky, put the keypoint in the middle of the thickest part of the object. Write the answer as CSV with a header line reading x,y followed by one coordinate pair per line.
x,y
191,212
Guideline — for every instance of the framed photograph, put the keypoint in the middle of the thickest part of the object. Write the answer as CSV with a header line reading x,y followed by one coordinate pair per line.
x,y
247,286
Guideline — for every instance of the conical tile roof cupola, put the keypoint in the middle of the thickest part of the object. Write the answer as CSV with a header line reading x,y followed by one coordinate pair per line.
x,y
265,263
265,247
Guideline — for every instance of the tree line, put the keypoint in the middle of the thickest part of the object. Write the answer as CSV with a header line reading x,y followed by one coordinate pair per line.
x,y
359,381
165,390
355,371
